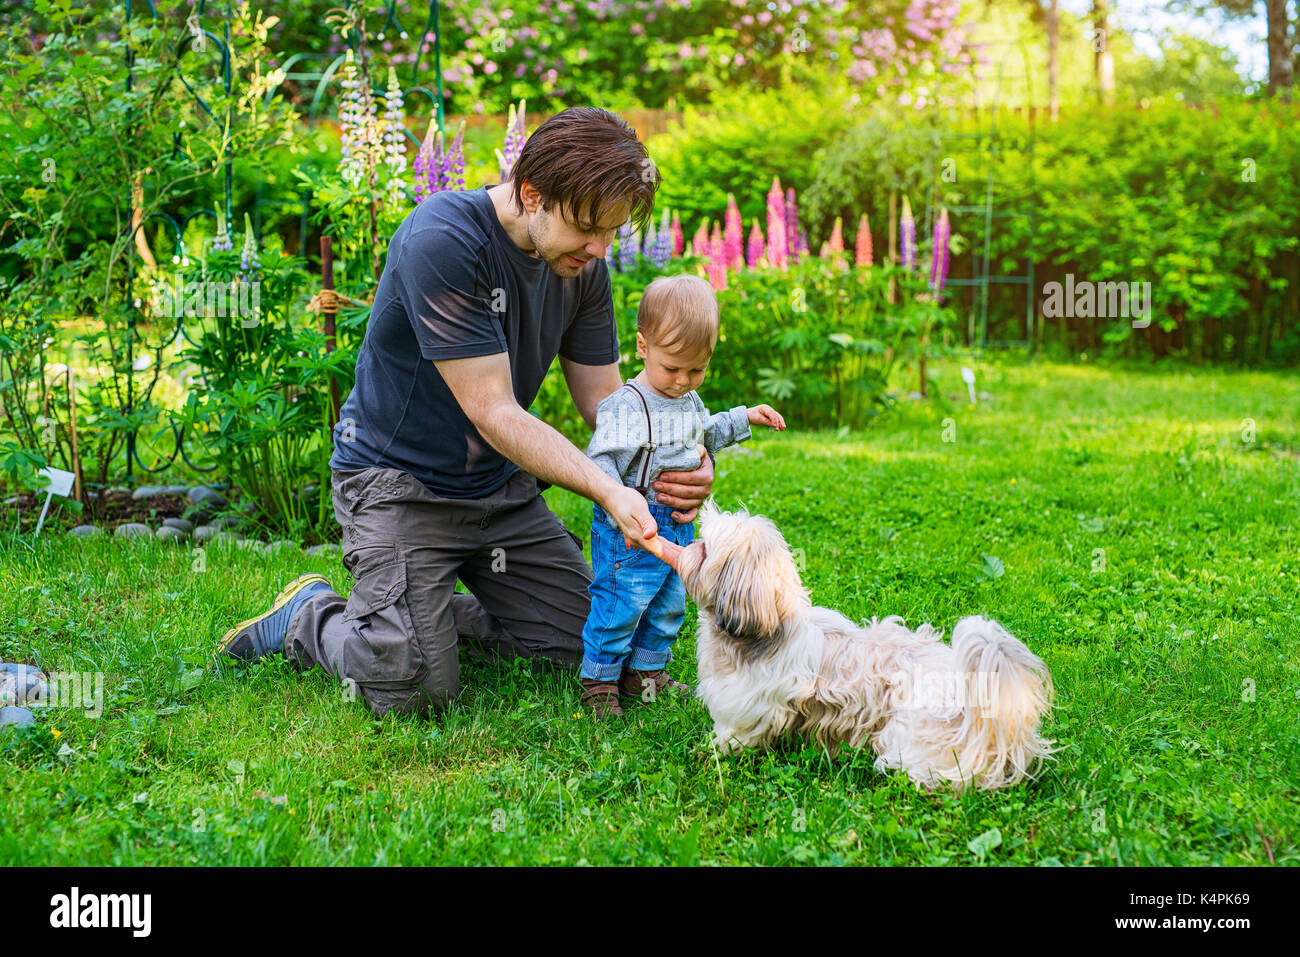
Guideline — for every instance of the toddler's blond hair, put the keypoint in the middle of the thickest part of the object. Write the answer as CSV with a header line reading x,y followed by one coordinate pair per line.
x,y
679,313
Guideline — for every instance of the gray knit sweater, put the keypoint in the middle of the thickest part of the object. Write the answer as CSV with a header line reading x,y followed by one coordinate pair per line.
x,y
677,426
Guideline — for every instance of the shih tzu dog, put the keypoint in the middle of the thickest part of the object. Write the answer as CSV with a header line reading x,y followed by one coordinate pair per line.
x,y
771,664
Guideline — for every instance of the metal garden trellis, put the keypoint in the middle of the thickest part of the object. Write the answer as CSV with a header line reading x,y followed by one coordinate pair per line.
x,y
196,38
981,277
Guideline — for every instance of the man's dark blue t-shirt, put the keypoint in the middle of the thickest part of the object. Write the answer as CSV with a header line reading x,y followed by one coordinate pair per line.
x,y
454,285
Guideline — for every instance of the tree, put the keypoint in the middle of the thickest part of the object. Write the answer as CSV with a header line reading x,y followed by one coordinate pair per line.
x,y
1282,46
1103,62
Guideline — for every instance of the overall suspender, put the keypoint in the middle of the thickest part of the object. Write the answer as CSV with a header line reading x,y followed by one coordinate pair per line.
x,y
648,446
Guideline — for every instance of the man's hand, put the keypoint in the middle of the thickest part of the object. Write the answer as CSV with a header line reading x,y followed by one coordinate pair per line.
x,y
628,508
686,491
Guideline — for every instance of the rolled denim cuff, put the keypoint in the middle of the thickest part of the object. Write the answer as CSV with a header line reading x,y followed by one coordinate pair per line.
x,y
643,659
600,672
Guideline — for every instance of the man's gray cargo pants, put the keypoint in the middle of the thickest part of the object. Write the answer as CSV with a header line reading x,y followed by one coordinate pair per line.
x,y
396,635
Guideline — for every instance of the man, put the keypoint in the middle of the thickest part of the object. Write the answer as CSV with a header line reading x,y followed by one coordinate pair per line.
x,y
436,462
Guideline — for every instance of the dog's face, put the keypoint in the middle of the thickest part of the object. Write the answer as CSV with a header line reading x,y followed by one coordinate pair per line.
x,y
741,574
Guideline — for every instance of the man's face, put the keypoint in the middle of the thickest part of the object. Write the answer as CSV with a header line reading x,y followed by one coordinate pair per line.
x,y
565,245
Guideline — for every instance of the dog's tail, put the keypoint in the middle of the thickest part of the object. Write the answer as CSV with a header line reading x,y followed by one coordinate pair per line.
x,y
1008,692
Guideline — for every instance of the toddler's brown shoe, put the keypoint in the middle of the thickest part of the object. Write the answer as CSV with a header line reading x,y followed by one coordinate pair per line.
x,y
600,698
647,685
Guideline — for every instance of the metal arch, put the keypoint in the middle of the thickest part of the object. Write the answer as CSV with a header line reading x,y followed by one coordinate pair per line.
x,y
181,48
989,141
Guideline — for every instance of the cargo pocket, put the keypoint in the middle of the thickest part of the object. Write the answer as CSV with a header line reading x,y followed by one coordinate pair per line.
x,y
382,648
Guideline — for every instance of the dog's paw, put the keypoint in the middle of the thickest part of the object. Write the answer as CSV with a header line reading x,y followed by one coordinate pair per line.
x,y
725,742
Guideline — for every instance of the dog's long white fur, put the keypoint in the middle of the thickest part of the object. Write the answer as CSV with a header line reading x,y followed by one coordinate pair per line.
x,y
771,663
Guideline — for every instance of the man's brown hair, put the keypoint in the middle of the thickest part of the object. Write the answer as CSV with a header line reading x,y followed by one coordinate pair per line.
x,y
590,160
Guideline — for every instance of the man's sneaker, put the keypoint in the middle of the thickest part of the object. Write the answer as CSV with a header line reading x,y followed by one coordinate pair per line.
x,y
647,685
264,635
600,698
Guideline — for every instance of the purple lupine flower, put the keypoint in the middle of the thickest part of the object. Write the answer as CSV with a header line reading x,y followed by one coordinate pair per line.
x,y
776,244
733,236
359,126
791,227
430,164
939,264
648,240
394,137
249,264
754,252
627,247
663,247
907,235
514,143
221,242
609,258
453,169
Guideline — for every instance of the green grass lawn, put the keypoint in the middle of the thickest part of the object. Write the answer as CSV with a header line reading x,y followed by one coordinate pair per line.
x,y
1147,537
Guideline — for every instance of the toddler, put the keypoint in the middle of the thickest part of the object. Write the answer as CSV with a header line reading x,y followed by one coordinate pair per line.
x,y
652,424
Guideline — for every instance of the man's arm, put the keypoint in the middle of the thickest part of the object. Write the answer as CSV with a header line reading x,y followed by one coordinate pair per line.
x,y
588,385
483,389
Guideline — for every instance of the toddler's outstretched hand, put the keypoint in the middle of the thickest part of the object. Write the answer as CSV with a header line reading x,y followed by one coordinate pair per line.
x,y
766,415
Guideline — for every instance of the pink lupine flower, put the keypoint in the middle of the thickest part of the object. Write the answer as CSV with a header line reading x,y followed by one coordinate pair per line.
x,y
755,250
939,264
776,243
700,241
718,266
864,242
837,237
733,237
791,227
679,238
907,235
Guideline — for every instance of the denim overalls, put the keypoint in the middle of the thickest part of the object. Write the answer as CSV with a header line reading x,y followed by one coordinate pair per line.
x,y
637,601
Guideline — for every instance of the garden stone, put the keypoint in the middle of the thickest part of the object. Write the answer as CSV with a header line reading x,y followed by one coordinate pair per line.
x,y
322,549
86,531
282,545
21,689
205,532
16,716
223,536
132,530
180,524
14,668
146,491
117,490
169,534
225,521
176,490
92,496
251,543
202,495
